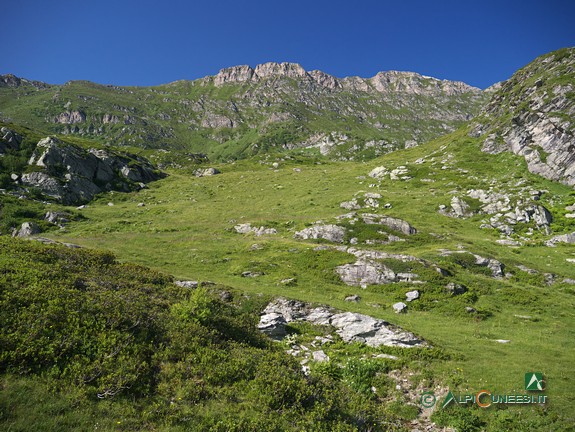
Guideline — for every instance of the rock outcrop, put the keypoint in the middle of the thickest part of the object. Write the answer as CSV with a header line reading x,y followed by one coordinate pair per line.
x,y
332,233
9,140
72,175
532,113
352,327
247,228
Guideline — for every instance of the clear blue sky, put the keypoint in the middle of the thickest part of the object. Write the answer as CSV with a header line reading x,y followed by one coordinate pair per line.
x,y
142,42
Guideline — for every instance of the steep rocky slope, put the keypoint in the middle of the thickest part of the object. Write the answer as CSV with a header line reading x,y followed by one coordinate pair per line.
x,y
532,115
244,110
66,172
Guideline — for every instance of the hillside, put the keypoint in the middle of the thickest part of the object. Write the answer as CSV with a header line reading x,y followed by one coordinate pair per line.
x,y
531,114
307,292
243,111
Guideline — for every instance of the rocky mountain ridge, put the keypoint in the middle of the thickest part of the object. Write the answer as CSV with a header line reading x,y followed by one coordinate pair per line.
x,y
532,113
385,81
242,111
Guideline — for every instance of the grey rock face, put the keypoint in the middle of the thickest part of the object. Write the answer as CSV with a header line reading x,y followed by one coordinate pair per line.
x,y
258,231
333,233
273,324
535,121
27,229
70,117
187,284
455,289
390,222
9,140
72,175
564,238
206,172
363,273
411,295
400,307
352,327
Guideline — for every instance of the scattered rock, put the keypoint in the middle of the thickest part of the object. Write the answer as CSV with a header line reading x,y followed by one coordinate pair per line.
x,y
27,229
226,296
350,205
187,284
378,172
469,309
363,273
400,307
247,228
206,172
320,356
289,281
353,298
455,288
412,295
390,222
250,274
333,233
564,238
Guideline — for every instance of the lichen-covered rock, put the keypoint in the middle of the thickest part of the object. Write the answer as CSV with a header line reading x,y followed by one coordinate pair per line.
x,y
206,172
333,233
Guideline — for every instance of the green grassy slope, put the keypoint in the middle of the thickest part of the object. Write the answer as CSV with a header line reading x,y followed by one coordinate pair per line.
x,y
186,229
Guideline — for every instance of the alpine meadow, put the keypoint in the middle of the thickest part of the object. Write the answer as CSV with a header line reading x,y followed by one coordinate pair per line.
x,y
275,249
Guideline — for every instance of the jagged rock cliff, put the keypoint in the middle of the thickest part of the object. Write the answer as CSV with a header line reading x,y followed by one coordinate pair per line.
x,y
533,115
72,175
245,110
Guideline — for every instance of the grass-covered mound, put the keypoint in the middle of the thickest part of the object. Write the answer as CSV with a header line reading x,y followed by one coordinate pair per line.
x,y
89,343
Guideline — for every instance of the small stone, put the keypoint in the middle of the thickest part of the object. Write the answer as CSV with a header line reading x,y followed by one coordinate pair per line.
x,y
288,281
250,274
320,356
275,165
141,204
455,289
110,204
412,295
469,309
187,284
502,341
400,307
353,298
226,296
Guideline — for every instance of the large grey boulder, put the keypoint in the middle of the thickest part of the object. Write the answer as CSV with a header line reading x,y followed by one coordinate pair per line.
x,y
564,238
9,140
27,229
363,273
247,228
390,222
333,233
273,324
206,172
